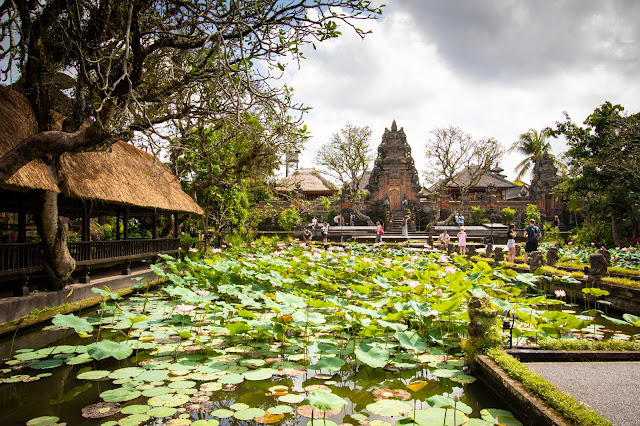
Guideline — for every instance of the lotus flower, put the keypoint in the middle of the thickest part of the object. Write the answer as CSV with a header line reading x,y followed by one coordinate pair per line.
x,y
216,250
311,264
451,270
183,309
413,283
203,292
347,294
560,293
592,243
570,243
444,259
334,260
193,250
439,293
410,270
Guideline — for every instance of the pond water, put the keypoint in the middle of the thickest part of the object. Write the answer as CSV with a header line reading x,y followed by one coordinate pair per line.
x,y
275,335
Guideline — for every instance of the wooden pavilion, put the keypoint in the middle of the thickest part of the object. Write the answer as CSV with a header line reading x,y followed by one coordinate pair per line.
x,y
123,182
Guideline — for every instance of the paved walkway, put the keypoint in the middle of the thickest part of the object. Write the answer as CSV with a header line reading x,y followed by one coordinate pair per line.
x,y
609,387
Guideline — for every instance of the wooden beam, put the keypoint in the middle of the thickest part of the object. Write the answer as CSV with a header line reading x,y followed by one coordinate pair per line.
x,y
22,221
154,224
176,225
125,219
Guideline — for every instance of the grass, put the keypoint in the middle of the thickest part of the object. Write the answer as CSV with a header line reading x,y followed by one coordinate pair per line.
x,y
623,282
587,345
568,406
625,271
572,265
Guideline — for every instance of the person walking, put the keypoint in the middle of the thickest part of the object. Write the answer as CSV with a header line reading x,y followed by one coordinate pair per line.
x,y
314,222
533,235
461,220
455,218
379,232
462,241
405,227
511,243
352,219
556,223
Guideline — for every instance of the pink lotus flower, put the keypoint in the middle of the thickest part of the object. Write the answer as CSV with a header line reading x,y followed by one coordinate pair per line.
x,y
303,245
352,258
374,250
592,243
560,293
183,309
295,259
570,243
618,248
224,246
451,270
311,264
334,260
439,293
410,270
340,248
443,259
193,250
216,250
349,270
413,283
347,294
203,292
366,260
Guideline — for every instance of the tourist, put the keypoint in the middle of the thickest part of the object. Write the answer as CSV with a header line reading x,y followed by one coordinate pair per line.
x,y
455,218
352,219
511,243
556,223
405,227
379,232
461,220
325,231
314,222
336,220
462,241
533,236
445,239
307,235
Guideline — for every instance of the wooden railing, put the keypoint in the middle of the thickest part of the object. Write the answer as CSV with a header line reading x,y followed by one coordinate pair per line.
x,y
27,258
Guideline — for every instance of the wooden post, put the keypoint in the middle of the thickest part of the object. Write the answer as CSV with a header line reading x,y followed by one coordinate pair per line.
x,y
125,219
22,221
117,222
154,224
176,226
85,223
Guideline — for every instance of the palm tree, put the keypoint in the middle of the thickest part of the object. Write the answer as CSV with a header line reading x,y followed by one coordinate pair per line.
x,y
534,145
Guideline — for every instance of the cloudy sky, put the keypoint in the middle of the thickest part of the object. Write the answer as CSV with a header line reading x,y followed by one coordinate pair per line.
x,y
492,68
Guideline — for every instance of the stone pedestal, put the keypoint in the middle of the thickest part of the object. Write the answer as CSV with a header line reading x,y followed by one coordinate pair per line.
x,y
552,256
536,260
498,255
471,250
598,269
518,251
484,329
489,249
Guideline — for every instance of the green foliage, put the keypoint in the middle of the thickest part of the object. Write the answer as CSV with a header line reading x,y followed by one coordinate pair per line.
x,y
477,216
289,218
552,234
533,145
531,212
574,411
598,232
587,345
507,215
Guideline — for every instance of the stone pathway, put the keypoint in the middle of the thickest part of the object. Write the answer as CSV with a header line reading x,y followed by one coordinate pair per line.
x,y
609,387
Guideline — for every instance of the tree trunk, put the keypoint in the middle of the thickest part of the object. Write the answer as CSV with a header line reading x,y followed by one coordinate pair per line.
x,y
614,229
361,215
59,263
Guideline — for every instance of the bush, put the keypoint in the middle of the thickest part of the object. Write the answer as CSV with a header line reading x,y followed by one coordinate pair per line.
x,y
531,212
552,234
507,215
477,216
289,218
599,233
587,345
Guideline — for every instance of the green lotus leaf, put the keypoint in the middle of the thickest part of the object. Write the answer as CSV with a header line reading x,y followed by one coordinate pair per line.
x,y
372,356
135,409
153,376
291,300
168,400
390,408
47,363
107,348
126,373
438,416
93,375
446,373
120,395
182,384
206,422
280,409
30,356
156,391
231,379
162,411
239,406
463,379
43,421
80,325
507,421
329,364
291,398
133,420
411,340
321,422
249,413
325,401
490,414
222,413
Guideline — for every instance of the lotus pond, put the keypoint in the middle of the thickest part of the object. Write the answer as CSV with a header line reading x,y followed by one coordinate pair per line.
x,y
286,334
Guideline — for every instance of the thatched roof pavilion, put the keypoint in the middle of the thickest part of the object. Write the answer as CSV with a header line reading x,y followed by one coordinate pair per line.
x,y
308,182
124,175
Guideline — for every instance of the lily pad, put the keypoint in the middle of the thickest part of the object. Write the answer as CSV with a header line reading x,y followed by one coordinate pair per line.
x,y
390,408
100,410
168,400
222,413
107,348
329,364
371,355
325,401
93,375
135,409
260,374
280,409
291,398
445,373
47,363
156,391
206,422
231,379
43,421
120,395
162,411
249,413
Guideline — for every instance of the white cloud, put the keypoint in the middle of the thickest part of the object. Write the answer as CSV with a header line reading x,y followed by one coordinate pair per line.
x,y
404,71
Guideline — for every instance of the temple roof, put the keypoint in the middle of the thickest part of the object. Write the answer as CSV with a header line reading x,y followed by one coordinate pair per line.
x,y
307,181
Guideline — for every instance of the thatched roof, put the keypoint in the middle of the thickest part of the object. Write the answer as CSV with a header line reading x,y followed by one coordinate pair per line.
x,y
307,181
17,123
490,177
126,175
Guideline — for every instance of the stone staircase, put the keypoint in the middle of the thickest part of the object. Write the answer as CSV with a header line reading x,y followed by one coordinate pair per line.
x,y
396,223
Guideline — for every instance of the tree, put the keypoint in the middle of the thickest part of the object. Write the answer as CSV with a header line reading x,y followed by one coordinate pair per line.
x,y
456,159
345,158
289,218
604,167
144,67
533,145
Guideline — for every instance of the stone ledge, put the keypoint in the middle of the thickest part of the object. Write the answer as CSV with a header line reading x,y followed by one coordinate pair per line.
x,y
541,355
529,408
